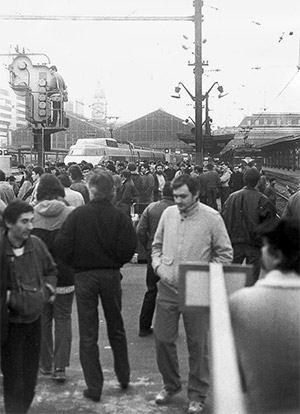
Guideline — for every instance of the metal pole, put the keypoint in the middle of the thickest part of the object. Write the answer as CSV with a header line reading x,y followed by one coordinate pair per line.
x,y
43,147
198,82
207,129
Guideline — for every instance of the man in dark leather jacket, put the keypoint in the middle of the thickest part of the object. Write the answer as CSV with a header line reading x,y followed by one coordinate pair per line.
x,y
243,211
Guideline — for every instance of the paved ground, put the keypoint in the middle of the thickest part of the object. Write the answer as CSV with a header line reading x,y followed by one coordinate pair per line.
x,y
53,398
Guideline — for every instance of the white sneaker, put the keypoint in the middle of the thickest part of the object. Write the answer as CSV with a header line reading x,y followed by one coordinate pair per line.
x,y
164,396
195,407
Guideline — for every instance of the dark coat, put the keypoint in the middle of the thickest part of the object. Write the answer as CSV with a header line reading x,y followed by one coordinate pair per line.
x,y
33,266
149,221
146,194
243,211
96,236
81,187
127,196
236,181
3,291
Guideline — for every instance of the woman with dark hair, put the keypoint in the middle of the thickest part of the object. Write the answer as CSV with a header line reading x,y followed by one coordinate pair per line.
x,y
49,215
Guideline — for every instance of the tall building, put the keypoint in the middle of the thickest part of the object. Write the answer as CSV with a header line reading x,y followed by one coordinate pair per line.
x,y
12,115
5,117
99,106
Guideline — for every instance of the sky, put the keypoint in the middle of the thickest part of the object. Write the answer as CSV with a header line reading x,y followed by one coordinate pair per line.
x,y
252,49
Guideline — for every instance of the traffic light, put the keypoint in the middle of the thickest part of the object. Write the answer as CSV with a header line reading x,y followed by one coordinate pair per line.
x,y
41,107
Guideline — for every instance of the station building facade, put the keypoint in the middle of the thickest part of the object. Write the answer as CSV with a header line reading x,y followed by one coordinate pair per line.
x,y
158,130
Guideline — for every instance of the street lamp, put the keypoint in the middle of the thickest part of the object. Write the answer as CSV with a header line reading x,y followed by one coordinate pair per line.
x,y
187,120
205,97
198,131
110,122
178,89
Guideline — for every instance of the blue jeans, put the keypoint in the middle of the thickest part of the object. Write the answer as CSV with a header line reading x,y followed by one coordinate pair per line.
x,y
196,325
56,351
89,286
148,306
20,363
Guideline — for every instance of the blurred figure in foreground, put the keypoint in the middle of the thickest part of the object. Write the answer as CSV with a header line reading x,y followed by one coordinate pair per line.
x,y
266,325
292,209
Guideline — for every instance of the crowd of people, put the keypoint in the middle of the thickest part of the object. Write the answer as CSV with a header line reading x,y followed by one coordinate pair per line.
x,y
67,230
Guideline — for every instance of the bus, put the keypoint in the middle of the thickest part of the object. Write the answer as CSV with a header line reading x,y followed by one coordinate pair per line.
x,y
98,150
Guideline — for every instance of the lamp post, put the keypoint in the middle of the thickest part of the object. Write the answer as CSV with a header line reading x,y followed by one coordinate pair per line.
x,y
198,83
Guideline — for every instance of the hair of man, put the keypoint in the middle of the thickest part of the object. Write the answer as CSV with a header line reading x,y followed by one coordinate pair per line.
x,y
283,236
65,180
14,210
75,172
49,188
186,179
38,170
101,185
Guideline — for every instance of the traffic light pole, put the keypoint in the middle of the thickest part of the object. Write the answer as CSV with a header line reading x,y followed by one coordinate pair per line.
x,y
38,137
41,138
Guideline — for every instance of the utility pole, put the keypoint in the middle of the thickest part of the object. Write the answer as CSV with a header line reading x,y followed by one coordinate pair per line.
x,y
198,82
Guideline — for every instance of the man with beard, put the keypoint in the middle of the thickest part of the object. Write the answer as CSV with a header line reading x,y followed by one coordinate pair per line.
x,y
160,180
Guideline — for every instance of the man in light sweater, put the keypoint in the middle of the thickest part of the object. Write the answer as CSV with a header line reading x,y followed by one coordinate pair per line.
x,y
189,231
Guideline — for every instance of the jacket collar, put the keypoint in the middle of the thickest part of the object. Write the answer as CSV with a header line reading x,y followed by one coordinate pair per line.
x,y
275,278
191,210
8,248
100,201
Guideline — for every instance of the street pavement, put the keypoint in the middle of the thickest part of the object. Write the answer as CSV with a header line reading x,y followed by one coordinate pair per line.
x,y
52,397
